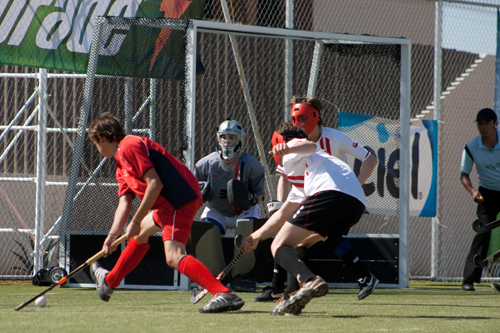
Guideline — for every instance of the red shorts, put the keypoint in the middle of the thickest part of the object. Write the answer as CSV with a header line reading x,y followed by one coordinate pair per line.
x,y
176,224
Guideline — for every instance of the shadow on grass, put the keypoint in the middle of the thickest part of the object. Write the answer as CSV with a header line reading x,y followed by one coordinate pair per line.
x,y
318,314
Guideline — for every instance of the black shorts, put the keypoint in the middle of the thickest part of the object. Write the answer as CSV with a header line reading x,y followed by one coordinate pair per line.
x,y
328,213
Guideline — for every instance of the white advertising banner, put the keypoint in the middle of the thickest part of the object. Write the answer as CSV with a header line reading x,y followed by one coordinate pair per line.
x,y
381,137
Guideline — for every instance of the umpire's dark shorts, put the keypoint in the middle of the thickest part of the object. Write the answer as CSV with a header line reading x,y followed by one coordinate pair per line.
x,y
330,214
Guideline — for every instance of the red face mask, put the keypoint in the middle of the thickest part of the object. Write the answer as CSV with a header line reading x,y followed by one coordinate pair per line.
x,y
277,138
299,110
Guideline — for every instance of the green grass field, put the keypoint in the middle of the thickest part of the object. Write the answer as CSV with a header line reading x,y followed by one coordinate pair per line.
x,y
424,307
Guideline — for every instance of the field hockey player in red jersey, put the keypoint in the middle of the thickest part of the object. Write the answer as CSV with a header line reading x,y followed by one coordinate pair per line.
x,y
170,197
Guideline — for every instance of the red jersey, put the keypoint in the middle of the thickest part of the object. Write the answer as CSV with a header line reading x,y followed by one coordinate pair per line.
x,y
136,155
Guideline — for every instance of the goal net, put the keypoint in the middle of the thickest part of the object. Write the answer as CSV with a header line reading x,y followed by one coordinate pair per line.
x,y
175,81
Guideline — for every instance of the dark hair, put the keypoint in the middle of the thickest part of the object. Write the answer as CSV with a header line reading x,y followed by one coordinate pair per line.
x,y
311,101
289,132
106,126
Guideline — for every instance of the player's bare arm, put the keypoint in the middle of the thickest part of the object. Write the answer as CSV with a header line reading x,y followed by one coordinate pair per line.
x,y
120,218
466,182
367,168
271,227
302,147
283,188
151,194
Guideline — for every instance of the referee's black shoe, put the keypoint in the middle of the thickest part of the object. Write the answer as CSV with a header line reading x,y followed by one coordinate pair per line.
x,y
367,285
495,286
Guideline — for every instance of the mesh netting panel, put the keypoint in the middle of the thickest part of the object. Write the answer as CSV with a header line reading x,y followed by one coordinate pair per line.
x,y
151,106
355,78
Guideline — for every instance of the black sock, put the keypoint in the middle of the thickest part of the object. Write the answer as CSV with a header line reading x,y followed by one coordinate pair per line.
x,y
287,258
345,252
352,261
293,284
279,277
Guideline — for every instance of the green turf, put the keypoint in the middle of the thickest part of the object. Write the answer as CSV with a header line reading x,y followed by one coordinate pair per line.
x,y
424,307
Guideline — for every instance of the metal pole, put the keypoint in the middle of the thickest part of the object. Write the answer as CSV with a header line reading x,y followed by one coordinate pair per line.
x,y
288,59
437,116
496,104
41,159
190,92
152,109
313,76
129,98
404,201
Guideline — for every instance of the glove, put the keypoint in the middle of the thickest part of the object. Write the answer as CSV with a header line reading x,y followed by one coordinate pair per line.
x,y
253,199
41,278
205,190
237,194
274,206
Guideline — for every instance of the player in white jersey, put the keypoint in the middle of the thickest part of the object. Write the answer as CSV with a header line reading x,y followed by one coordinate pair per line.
x,y
305,112
216,169
334,202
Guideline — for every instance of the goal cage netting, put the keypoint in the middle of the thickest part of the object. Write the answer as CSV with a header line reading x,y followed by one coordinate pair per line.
x,y
176,80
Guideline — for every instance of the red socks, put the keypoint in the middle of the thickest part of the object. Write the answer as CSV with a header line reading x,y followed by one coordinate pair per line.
x,y
128,260
199,274
188,265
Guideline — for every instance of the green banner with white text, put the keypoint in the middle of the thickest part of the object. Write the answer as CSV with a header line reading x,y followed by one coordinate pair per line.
x,y
57,34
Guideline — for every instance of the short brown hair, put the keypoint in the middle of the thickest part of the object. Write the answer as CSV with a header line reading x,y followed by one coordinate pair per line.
x,y
311,101
106,126
289,132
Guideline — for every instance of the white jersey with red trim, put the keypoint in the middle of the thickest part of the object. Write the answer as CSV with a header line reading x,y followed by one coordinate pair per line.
x,y
334,143
319,171
338,144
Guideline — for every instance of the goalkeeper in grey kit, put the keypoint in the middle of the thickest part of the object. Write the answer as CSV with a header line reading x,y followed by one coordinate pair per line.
x,y
233,185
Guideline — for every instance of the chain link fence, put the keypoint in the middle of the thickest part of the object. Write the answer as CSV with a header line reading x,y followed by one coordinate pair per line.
x,y
467,68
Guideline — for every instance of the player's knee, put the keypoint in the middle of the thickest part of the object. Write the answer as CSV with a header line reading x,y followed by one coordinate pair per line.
x,y
274,247
172,263
173,259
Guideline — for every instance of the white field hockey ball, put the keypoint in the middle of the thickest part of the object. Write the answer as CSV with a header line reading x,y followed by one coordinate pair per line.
x,y
41,301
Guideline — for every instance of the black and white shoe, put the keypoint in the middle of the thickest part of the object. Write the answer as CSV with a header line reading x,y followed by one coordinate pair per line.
x,y
269,294
367,285
223,302
98,275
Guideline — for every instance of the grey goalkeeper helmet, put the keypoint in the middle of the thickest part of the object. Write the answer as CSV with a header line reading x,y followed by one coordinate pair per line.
x,y
231,127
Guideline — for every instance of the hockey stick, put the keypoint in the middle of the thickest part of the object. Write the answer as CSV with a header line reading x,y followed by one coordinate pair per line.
x,y
73,273
481,229
483,263
237,241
